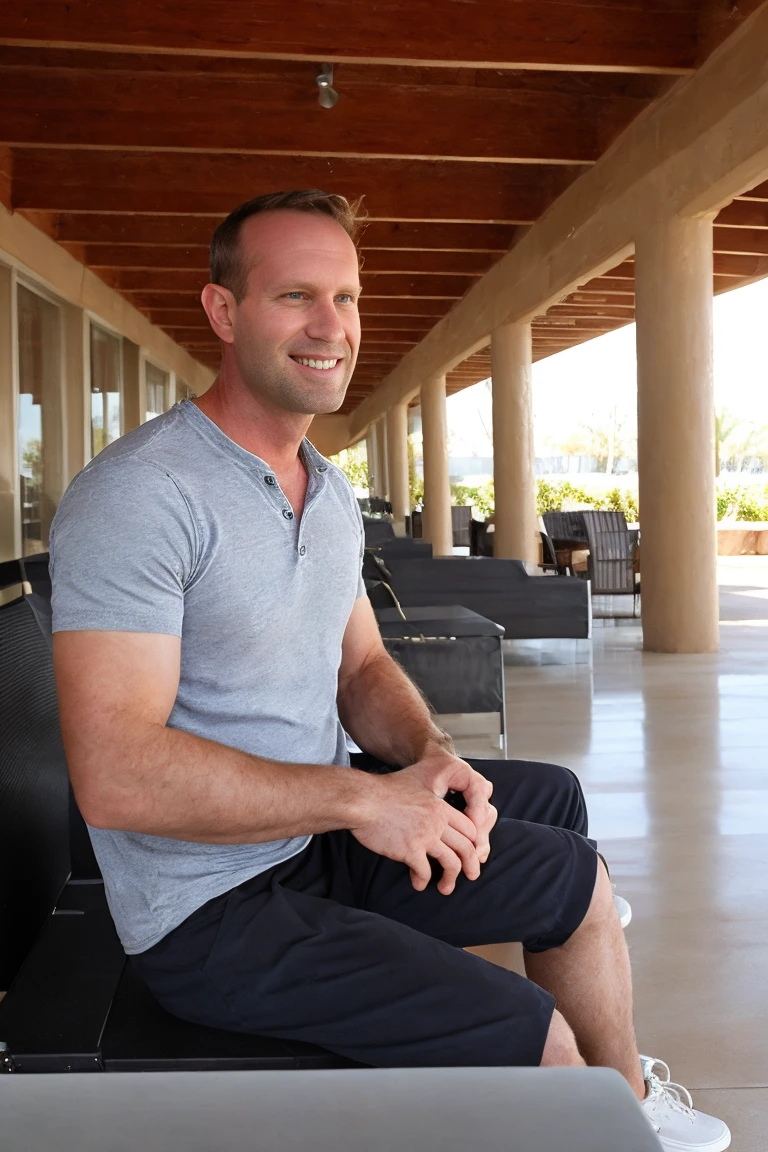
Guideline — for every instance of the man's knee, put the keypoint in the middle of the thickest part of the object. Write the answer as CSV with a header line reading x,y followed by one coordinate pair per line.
x,y
567,793
560,1049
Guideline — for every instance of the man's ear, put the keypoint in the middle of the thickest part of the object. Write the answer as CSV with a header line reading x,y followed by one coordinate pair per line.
x,y
220,308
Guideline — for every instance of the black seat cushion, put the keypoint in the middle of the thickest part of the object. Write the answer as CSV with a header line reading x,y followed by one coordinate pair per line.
x,y
140,1036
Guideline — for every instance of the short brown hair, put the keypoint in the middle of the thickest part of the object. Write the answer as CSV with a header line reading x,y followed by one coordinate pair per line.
x,y
226,263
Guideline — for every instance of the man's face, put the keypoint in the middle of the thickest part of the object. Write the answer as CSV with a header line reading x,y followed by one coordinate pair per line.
x,y
300,306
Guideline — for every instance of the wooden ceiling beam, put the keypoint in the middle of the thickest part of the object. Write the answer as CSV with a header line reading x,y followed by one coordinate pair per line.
x,y
744,241
407,285
741,266
76,180
273,114
617,311
184,305
6,178
139,256
191,231
760,192
624,37
744,214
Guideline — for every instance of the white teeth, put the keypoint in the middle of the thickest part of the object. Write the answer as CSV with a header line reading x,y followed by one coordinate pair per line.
x,y
316,363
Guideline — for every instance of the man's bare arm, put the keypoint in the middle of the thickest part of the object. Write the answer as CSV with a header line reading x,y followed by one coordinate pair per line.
x,y
385,714
129,771
382,709
133,773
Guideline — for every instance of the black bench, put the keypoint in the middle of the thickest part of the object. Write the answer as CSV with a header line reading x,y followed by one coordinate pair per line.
x,y
73,1002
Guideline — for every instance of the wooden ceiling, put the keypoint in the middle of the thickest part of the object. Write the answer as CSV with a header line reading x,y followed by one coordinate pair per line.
x,y
128,131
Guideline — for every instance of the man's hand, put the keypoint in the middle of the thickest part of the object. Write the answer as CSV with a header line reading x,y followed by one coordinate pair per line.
x,y
408,820
442,771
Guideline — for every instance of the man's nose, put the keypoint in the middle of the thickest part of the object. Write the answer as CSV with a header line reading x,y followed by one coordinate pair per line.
x,y
325,324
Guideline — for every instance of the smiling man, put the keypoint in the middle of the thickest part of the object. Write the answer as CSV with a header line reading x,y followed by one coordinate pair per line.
x,y
213,642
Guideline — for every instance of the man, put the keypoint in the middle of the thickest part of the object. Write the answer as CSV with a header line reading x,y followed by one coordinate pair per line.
x,y
214,642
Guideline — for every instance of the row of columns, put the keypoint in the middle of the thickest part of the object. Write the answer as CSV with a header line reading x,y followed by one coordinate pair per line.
x,y
676,453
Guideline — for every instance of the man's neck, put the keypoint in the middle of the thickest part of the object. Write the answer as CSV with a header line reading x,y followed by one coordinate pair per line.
x,y
273,435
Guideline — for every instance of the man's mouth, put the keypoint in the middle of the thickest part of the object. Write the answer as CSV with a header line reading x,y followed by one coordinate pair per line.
x,y
313,362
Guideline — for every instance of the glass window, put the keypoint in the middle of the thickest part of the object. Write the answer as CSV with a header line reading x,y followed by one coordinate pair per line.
x,y
39,414
106,386
157,390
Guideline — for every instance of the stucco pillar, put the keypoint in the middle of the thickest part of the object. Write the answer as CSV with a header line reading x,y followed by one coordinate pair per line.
x,y
514,479
437,526
382,483
397,461
676,436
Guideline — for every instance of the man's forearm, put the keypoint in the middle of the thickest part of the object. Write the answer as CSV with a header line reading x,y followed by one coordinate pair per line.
x,y
172,783
385,714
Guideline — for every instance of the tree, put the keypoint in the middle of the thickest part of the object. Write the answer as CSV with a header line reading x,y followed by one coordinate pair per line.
x,y
725,424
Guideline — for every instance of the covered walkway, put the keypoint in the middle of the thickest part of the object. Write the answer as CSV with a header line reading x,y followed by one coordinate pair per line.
x,y
670,751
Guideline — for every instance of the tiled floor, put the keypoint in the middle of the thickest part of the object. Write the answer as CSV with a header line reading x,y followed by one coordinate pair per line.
x,y
671,751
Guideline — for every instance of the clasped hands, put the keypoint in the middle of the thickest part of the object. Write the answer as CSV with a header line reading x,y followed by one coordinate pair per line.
x,y
408,819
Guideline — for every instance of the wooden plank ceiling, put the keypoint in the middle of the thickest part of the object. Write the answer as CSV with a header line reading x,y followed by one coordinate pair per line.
x,y
127,131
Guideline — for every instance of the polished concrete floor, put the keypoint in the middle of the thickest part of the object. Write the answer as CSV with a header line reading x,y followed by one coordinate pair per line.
x,y
671,752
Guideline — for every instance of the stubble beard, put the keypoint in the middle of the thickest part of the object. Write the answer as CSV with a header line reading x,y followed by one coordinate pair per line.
x,y
268,380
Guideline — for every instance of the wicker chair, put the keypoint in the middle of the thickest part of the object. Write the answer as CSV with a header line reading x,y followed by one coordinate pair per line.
x,y
611,555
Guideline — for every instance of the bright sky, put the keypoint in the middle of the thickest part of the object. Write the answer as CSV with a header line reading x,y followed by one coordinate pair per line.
x,y
602,372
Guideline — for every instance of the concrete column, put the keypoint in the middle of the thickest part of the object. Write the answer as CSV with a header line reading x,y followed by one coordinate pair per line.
x,y
397,460
437,490
676,436
514,480
370,454
382,482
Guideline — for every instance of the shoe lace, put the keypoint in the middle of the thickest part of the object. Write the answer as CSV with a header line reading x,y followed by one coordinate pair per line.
x,y
674,1095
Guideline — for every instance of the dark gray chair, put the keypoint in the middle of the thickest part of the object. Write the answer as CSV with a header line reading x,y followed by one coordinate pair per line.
x,y
461,523
567,527
611,555
377,531
526,607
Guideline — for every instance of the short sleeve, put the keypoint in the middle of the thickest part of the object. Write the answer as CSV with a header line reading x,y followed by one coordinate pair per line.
x,y
123,547
361,589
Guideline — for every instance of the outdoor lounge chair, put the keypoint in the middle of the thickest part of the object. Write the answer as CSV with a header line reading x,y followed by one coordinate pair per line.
x,y
526,607
611,561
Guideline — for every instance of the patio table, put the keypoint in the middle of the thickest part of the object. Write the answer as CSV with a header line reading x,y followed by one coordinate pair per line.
x,y
452,654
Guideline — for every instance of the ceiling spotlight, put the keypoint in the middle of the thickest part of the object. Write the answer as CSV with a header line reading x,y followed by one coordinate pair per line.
x,y
328,95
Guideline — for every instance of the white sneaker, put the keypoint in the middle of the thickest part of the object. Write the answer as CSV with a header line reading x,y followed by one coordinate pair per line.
x,y
623,907
669,1108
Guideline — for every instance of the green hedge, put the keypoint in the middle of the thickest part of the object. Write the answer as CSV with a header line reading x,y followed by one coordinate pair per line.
x,y
550,497
748,503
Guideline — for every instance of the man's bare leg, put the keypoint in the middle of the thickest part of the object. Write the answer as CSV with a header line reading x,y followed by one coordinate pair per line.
x,y
591,980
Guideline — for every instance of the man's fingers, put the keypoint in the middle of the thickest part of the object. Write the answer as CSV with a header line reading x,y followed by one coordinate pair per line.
x,y
483,816
450,862
463,823
421,872
465,850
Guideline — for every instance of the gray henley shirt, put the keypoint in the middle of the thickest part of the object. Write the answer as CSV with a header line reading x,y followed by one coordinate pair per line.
x,y
175,529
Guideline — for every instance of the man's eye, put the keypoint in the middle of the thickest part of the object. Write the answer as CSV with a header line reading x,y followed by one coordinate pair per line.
x,y
294,295
346,298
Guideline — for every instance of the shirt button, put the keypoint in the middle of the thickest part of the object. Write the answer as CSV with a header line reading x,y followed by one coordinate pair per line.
x,y
302,550
270,480
322,467
287,513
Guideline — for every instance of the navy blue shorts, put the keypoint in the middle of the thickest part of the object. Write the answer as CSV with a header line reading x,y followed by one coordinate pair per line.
x,y
335,946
